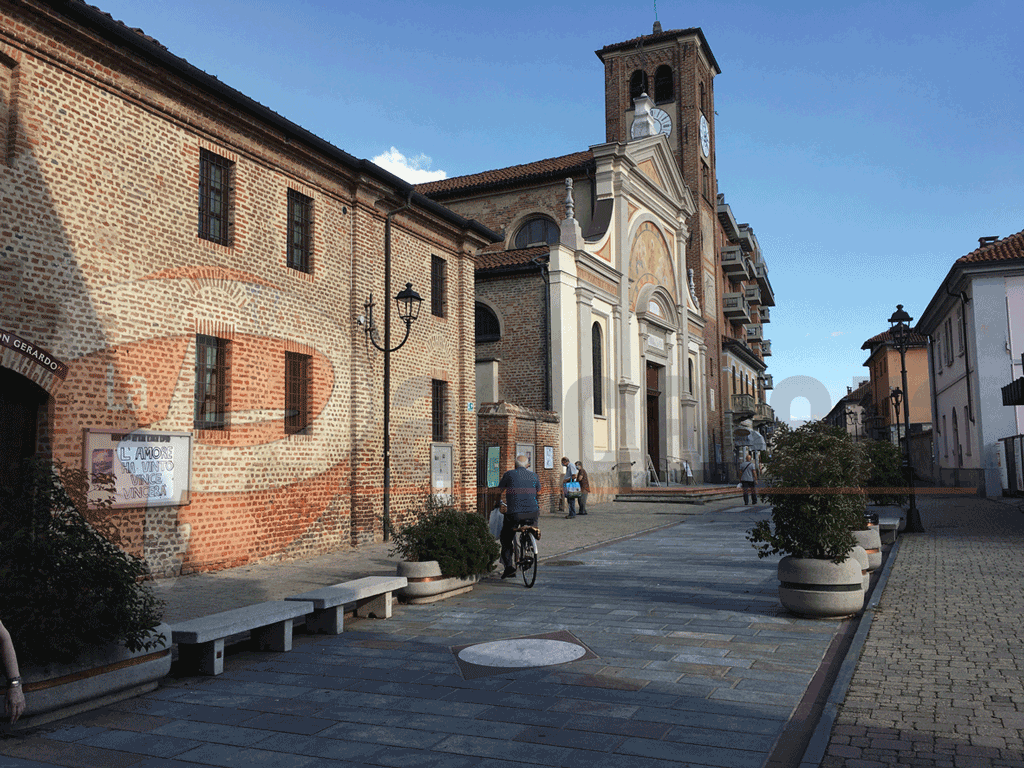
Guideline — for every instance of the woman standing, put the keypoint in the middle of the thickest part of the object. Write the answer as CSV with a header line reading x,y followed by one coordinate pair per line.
x,y
584,481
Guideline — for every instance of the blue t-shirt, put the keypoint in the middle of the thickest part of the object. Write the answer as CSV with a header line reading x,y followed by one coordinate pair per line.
x,y
522,487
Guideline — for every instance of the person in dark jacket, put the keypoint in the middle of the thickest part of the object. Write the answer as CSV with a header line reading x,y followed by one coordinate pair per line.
x,y
520,507
584,480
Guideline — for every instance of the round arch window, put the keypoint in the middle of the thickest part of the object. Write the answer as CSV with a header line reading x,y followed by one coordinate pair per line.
x,y
487,326
537,231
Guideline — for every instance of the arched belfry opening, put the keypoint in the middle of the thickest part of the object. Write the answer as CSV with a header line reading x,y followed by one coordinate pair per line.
x,y
22,404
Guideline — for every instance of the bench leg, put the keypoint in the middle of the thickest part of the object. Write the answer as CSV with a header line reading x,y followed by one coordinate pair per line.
x,y
330,621
207,658
275,637
379,607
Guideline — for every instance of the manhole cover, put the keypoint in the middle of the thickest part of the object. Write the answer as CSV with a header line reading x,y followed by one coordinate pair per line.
x,y
499,656
561,563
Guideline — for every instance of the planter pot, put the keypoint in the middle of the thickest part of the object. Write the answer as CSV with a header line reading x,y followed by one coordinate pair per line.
x,y
871,540
102,676
861,556
821,588
427,585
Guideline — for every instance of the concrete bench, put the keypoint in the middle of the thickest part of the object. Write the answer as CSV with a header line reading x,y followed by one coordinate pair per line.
x,y
201,641
371,595
888,527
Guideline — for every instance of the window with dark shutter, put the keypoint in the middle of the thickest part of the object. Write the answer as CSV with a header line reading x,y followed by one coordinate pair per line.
x,y
214,197
439,411
487,326
663,86
438,286
300,231
597,351
296,393
211,383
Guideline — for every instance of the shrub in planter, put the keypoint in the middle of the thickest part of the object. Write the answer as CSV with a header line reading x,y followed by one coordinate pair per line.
x,y
813,481
885,470
461,543
64,588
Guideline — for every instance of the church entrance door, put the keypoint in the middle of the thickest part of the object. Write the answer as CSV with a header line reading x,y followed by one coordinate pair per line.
x,y
654,417
20,400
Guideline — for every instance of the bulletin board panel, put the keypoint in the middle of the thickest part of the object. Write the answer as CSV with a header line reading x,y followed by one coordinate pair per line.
x,y
150,469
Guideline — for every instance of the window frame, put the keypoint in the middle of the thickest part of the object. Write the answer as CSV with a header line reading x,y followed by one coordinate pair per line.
x,y
491,335
438,286
663,75
597,366
300,232
637,86
439,410
215,198
552,233
211,375
297,368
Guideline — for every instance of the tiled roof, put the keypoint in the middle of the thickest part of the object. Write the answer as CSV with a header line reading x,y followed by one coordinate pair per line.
x,y
657,37
498,260
515,174
1010,248
916,340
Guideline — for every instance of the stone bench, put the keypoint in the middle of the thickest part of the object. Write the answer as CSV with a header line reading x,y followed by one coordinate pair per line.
x,y
371,595
888,527
201,641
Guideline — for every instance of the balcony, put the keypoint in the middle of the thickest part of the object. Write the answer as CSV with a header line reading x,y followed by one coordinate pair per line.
x,y
734,262
735,308
761,275
754,333
763,414
766,316
766,348
767,380
742,407
752,294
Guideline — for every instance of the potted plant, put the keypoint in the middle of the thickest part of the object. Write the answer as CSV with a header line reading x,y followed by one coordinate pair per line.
x,y
444,553
85,623
813,480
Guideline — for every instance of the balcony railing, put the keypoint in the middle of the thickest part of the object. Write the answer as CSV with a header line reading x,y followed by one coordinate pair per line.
x,y
754,333
761,275
736,308
763,413
752,294
766,316
766,348
734,261
742,407
767,381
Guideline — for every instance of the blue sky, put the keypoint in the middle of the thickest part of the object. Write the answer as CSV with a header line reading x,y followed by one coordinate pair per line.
x,y
869,145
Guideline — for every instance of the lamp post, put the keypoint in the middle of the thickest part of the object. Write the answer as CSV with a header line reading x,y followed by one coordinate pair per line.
x,y
899,331
897,397
408,302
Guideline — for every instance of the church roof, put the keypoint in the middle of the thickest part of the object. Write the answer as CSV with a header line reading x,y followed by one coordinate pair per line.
x,y
659,36
553,167
510,261
1010,248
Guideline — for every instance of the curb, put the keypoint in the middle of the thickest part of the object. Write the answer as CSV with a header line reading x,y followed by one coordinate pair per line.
x,y
819,741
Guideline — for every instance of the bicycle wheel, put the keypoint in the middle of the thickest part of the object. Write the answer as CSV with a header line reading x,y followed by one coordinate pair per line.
x,y
528,561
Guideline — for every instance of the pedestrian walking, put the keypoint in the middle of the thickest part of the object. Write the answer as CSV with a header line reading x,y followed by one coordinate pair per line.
x,y
688,472
748,479
568,477
584,480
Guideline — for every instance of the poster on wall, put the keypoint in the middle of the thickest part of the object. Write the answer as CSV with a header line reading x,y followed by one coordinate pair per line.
x,y
149,469
441,469
527,450
549,457
493,466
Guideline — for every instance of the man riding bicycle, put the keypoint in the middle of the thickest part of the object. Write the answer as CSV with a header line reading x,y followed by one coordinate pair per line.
x,y
521,488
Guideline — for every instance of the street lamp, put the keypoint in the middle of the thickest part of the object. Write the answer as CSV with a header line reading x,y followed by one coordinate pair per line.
x,y
899,332
408,303
897,397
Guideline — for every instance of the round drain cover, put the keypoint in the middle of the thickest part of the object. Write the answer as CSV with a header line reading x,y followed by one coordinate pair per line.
x,y
513,654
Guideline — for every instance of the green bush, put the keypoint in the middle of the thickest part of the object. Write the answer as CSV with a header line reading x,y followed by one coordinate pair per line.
x,y
461,543
63,586
885,470
813,482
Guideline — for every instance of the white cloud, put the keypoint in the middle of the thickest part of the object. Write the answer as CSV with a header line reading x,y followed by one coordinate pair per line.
x,y
837,333
415,170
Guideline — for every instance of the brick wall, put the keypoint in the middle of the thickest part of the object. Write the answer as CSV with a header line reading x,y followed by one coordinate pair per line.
x,y
506,425
101,265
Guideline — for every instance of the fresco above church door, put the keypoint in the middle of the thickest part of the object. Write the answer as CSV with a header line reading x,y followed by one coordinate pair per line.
x,y
650,263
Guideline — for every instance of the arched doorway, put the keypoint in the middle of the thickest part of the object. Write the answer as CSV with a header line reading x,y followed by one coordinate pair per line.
x,y
20,404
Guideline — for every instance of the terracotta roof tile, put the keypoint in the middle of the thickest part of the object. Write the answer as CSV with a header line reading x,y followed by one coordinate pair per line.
x,y
916,339
1010,248
502,177
516,258
657,37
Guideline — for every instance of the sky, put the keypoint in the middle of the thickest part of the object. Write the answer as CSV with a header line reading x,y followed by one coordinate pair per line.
x,y
869,145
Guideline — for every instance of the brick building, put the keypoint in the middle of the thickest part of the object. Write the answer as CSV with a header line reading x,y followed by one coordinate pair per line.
x,y
183,270
633,306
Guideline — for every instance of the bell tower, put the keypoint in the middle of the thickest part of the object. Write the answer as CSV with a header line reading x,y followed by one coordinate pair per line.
x,y
676,70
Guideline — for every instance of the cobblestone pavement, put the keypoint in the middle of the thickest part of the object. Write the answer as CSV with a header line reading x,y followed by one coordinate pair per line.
x,y
941,678
691,663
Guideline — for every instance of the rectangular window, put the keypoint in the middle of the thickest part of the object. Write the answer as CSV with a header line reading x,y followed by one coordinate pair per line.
x,y
7,81
214,197
300,231
296,393
438,286
211,382
949,341
959,330
439,411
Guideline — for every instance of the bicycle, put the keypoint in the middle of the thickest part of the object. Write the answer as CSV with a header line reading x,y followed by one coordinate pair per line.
x,y
525,553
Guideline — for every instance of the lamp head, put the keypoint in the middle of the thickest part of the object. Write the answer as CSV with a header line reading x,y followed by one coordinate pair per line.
x,y
408,303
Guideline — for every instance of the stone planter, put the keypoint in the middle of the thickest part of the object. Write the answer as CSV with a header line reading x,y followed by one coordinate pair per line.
x,y
821,588
102,676
861,556
427,585
871,540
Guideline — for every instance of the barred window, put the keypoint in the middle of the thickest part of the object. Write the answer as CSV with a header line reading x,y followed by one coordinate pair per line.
x,y
211,382
296,393
300,231
637,86
439,411
214,197
438,286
